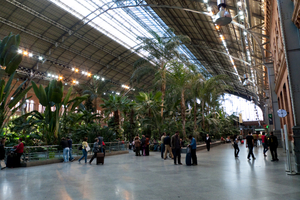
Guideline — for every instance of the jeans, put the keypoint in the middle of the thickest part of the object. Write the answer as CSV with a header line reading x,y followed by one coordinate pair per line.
x,y
162,150
274,153
70,154
236,151
250,152
265,148
84,152
66,154
194,156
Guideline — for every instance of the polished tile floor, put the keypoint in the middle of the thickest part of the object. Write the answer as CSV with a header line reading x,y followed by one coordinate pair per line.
x,y
218,176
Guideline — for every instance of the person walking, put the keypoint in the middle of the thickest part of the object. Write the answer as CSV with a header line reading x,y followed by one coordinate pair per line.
x,y
167,144
19,150
176,147
236,147
70,143
162,145
65,146
193,146
137,144
95,150
84,147
273,142
2,153
208,142
264,141
250,145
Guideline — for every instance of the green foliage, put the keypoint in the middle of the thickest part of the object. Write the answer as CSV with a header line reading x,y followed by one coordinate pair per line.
x,y
9,57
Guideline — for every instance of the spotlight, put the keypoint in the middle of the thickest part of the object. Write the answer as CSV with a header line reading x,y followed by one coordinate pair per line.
x,y
73,69
25,53
60,78
20,51
239,3
89,74
30,55
49,74
40,58
76,70
103,79
223,17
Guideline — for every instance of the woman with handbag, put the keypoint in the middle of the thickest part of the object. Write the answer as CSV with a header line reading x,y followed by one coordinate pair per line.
x,y
85,147
95,150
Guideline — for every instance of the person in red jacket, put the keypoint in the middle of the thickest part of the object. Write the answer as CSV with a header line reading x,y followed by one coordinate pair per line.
x,y
19,150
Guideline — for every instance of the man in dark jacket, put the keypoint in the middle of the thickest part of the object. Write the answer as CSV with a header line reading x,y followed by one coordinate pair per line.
x,y
273,143
65,146
207,141
176,147
70,143
143,145
100,143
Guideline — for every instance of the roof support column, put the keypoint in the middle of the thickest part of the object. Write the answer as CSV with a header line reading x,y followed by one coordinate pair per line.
x,y
274,99
291,43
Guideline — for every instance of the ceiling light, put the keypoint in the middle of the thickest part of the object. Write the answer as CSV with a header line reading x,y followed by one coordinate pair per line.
x,y
217,27
25,53
209,9
66,83
73,69
242,17
20,51
103,79
76,70
83,72
104,93
40,58
49,74
241,12
30,55
60,78
239,3
205,1
52,75
89,74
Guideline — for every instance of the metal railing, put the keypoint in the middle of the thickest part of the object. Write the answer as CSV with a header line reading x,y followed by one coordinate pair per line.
x,y
36,153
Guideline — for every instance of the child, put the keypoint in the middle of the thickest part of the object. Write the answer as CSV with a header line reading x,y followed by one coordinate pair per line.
x,y
236,148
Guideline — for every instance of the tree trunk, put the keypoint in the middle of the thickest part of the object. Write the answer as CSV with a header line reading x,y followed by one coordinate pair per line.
x,y
163,91
203,117
183,114
117,120
195,116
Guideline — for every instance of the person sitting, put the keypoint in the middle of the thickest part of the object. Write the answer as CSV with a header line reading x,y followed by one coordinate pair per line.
x,y
228,139
222,140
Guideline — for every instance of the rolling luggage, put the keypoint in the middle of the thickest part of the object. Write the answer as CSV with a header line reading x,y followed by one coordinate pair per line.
x,y
11,160
100,158
188,158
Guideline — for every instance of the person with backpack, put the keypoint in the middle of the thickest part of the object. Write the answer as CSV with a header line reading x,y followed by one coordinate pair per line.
x,y
273,142
84,148
264,141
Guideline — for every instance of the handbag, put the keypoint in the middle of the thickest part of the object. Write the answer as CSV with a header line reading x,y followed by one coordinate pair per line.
x,y
80,147
88,148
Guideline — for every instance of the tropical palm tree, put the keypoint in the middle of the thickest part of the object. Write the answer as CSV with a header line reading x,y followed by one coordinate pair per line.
x,y
181,77
116,104
161,49
208,92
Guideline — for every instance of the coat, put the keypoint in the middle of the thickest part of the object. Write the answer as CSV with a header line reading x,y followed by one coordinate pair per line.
x,y
2,152
137,143
175,140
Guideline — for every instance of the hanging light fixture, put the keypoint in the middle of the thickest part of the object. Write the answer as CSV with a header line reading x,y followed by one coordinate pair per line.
x,y
223,17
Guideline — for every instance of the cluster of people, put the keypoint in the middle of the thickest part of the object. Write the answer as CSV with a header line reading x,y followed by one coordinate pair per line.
x,y
14,157
141,145
270,142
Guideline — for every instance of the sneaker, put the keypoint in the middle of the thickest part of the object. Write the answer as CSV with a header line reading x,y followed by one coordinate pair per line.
x,y
179,163
72,159
273,160
254,158
249,158
175,164
265,155
277,159
3,168
79,161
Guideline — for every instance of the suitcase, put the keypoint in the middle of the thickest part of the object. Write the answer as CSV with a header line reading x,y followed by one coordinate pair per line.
x,y
188,158
11,160
100,158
